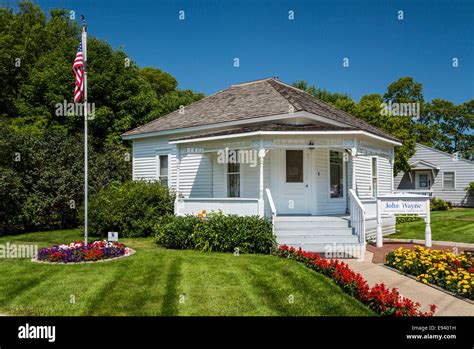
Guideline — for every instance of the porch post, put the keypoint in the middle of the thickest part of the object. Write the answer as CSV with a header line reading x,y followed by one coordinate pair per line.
x,y
428,225
379,233
261,202
353,156
392,161
178,166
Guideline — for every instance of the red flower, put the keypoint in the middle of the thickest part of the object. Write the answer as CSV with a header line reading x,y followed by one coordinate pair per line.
x,y
378,298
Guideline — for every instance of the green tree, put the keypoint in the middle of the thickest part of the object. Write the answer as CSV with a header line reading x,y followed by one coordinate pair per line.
x,y
124,95
36,54
160,82
42,177
455,125
341,100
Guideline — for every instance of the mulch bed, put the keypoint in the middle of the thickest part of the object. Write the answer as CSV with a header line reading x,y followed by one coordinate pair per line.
x,y
380,252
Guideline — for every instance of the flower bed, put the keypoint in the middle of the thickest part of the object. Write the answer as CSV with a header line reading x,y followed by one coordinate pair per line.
x,y
454,273
79,251
378,298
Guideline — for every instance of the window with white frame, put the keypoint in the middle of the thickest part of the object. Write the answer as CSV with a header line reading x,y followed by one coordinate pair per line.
x,y
449,181
233,178
163,169
336,174
374,177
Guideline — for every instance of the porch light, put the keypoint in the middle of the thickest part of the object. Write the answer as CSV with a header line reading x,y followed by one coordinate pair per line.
x,y
311,145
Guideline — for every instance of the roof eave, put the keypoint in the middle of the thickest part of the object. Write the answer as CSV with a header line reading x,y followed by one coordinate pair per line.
x,y
283,133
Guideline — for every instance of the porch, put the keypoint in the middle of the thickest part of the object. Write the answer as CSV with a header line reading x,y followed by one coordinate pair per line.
x,y
265,176
311,184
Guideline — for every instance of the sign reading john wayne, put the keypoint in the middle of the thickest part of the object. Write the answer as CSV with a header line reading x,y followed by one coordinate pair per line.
x,y
404,206
403,203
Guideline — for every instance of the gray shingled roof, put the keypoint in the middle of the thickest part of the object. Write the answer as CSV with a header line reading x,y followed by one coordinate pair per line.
x,y
250,100
268,127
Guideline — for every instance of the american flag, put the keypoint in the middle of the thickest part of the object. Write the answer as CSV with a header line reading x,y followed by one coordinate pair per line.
x,y
78,69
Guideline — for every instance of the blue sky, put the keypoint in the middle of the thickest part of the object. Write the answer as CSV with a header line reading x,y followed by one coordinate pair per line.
x,y
200,50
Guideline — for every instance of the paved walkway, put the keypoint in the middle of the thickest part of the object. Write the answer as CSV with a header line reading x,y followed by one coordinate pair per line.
x,y
416,291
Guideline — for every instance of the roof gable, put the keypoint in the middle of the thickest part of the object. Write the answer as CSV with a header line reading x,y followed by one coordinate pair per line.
x,y
422,164
268,97
442,153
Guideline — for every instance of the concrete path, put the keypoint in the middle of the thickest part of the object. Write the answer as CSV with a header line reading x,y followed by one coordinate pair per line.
x,y
416,291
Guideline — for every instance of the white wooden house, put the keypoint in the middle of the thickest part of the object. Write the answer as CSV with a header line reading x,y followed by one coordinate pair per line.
x,y
266,148
438,174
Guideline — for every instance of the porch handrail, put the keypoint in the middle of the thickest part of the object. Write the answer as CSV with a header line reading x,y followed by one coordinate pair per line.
x,y
272,206
357,215
427,192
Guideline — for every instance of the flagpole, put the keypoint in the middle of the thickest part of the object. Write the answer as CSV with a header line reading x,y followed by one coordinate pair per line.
x,y
86,179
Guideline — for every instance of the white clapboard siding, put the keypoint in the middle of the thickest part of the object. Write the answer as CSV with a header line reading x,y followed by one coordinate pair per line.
x,y
363,176
385,175
363,165
144,156
249,178
219,189
464,174
195,176
196,169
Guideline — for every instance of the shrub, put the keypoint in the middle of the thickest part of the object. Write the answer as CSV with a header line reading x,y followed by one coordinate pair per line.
x,y
42,178
438,204
406,219
175,231
131,208
470,188
216,232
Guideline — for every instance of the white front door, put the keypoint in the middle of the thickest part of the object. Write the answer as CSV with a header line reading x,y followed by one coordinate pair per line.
x,y
293,181
423,180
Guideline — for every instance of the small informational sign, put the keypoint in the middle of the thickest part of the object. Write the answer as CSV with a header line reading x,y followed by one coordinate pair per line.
x,y
113,236
404,206
403,203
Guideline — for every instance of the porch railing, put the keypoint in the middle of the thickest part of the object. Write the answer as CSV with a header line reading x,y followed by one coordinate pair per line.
x,y
272,207
357,215
240,206
415,191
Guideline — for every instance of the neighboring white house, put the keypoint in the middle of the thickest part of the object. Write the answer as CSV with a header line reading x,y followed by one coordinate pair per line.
x,y
438,174
315,170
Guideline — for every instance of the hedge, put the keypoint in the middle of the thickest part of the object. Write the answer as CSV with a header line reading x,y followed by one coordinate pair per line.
x,y
216,232
131,208
438,204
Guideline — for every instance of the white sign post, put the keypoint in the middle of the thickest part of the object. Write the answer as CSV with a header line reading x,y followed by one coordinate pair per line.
x,y
403,203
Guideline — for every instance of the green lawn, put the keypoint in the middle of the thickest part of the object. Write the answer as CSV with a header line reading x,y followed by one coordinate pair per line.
x,y
156,281
454,225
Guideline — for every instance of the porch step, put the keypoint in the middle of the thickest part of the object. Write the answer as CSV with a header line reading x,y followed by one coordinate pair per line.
x,y
313,239
332,250
292,218
311,230
315,233
313,224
